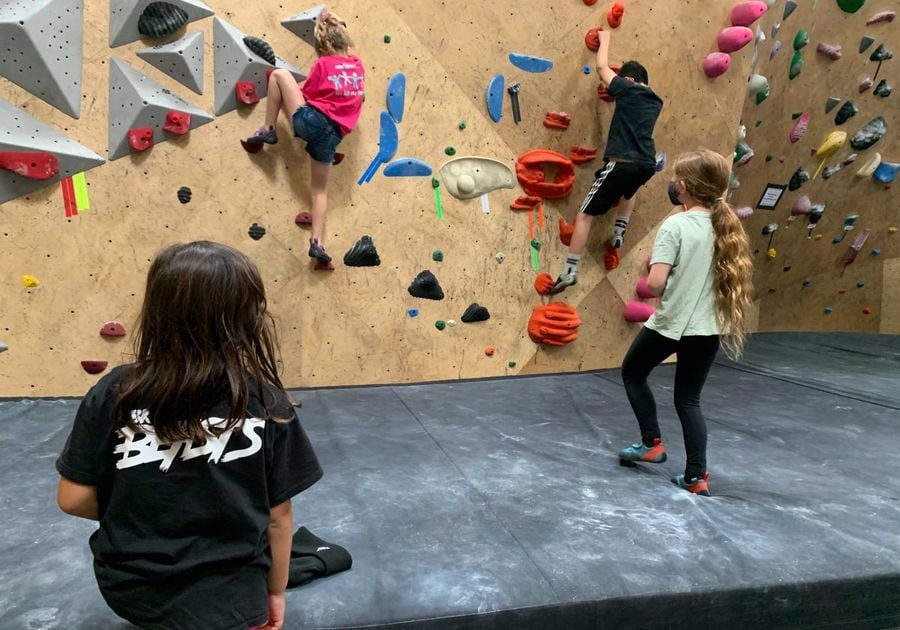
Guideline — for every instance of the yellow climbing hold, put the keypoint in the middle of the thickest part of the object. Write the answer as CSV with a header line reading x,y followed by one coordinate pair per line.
x,y
892,230
818,236
771,253
30,281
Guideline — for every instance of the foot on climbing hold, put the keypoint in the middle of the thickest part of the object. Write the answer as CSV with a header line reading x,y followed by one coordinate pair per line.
x,y
317,251
263,136
543,282
611,257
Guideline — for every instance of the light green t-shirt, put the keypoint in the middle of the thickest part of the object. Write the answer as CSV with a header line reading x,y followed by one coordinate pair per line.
x,y
686,241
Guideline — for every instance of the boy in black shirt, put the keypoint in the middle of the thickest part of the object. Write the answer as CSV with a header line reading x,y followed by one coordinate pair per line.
x,y
630,156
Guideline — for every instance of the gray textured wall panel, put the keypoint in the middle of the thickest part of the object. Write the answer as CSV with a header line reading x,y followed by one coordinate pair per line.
x,y
302,24
182,60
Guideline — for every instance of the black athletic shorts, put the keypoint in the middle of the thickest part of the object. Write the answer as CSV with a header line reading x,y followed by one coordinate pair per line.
x,y
614,181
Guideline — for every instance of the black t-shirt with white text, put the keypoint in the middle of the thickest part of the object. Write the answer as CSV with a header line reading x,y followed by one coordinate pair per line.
x,y
182,534
633,121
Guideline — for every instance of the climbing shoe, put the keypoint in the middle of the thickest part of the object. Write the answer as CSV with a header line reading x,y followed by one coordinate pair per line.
x,y
655,454
697,485
318,252
563,282
264,136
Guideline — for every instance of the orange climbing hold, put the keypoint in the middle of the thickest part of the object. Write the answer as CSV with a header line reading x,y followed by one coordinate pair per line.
x,y
611,257
525,202
582,155
592,38
30,164
543,283
489,351
557,120
615,14
565,232
602,93
245,92
554,324
530,173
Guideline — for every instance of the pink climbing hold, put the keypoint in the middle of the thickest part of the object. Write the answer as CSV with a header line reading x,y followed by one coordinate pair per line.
x,y
866,84
832,51
638,312
140,138
881,16
734,38
112,329
800,127
642,289
716,64
30,164
746,13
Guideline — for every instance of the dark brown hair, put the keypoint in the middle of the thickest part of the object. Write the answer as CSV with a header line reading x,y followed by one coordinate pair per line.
x,y
204,337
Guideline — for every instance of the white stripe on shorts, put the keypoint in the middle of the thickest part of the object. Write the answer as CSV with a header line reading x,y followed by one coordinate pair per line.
x,y
597,183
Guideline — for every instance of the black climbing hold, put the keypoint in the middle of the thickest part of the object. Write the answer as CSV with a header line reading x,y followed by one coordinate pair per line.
x,y
160,19
260,48
846,112
865,42
883,89
829,172
476,313
799,178
881,54
831,103
256,231
362,254
425,285
871,133
184,194
789,8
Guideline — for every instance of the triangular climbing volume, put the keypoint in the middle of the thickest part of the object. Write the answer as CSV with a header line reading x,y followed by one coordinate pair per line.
x,y
182,60
138,102
125,15
303,24
40,49
22,135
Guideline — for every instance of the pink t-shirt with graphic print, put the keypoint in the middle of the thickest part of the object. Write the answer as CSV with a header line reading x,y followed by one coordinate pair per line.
x,y
335,86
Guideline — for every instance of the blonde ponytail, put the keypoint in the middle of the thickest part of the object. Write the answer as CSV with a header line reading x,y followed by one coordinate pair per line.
x,y
331,35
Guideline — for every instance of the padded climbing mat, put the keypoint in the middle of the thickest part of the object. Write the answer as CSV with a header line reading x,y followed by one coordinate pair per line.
x,y
501,504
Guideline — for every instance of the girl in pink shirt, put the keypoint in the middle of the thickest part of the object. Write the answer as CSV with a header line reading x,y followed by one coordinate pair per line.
x,y
323,111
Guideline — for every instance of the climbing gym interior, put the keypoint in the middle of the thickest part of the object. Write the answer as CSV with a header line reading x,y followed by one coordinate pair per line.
x,y
468,421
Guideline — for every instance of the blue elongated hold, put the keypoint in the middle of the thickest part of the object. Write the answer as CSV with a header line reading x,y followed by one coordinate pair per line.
x,y
396,96
495,90
529,63
407,167
388,140
885,173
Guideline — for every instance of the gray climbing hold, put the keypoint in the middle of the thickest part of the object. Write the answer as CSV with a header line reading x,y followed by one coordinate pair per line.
x,y
260,48
42,44
789,7
125,15
21,132
3,347
303,24
800,177
871,133
831,171
476,313
362,254
881,54
865,42
883,89
831,103
136,101
182,60
425,285
846,112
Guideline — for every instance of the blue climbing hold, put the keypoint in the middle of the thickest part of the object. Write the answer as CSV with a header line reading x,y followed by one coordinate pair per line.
x,y
828,310
586,69
413,312
807,283
529,63
885,173
407,167
396,96
660,161
876,251
495,90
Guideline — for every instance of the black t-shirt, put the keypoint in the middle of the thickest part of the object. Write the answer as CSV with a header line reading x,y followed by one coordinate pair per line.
x,y
631,129
182,537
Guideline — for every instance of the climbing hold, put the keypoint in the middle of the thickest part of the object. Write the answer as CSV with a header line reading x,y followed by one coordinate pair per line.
x,y
850,6
660,161
426,286
744,212
94,367
746,13
557,120
30,282
885,173
511,364
769,157
869,166
251,148
256,231
592,39
881,54
755,83
536,244
742,154
828,310
615,14
566,230
733,38
642,289
829,172
585,69
451,323
160,19
638,312
865,84
796,115
449,151
860,285
494,97
489,351
338,158
801,206
602,91
530,173
245,92
412,312
440,324
140,138
582,155
499,257
847,111
529,63
178,123
807,283
796,65
865,42
260,48
475,313
763,94
832,51
473,176
799,178
881,16
396,96
831,103
782,159
876,252
776,48
407,167
830,145
554,324
801,39
362,254
871,133
789,8
461,124
4,348
437,255
112,329
775,28
544,282
611,257
771,253
716,64
31,164
387,39
867,310
303,218
800,127
883,89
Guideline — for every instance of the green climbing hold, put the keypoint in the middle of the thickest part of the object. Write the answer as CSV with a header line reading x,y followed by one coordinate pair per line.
x,y
796,65
801,39
435,182
769,157
758,123
387,39
450,151
440,324
762,95
512,364
437,255
850,6
796,115
536,244
461,124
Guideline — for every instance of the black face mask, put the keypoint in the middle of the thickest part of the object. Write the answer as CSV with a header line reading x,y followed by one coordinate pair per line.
x,y
673,195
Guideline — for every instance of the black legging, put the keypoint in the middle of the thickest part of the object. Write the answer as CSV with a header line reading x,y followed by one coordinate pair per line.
x,y
695,357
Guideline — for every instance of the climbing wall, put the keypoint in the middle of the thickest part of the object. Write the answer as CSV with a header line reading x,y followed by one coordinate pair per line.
x,y
359,325
823,278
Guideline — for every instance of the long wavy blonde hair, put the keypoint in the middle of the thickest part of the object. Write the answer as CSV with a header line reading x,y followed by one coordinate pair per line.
x,y
331,35
706,175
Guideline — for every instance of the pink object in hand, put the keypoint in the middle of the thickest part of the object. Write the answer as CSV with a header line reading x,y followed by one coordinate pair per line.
x,y
800,127
734,38
642,289
716,64
638,312
746,13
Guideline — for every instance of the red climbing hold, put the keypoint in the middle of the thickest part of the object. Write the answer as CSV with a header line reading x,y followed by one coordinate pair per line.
x,y
30,164
867,310
94,367
566,230
615,14
178,123
611,257
525,202
602,92
251,148
338,158
592,38
582,155
557,120
590,3
530,173
245,91
320,266
140,138
543,282
489,351
554,324
303,218
112,329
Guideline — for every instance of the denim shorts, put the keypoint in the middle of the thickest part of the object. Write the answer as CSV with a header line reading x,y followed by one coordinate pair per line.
x,y
322,134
